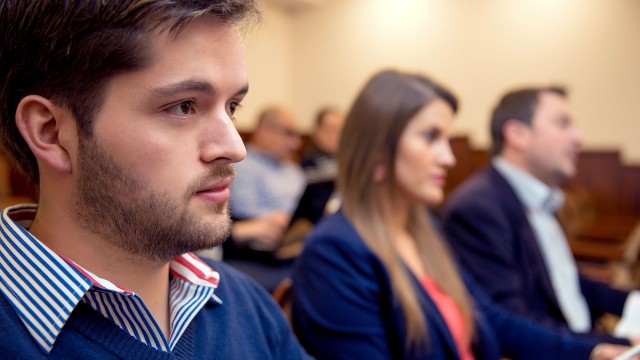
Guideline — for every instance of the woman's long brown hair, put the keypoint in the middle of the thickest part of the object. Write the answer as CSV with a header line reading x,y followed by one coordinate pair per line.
x,y
370,136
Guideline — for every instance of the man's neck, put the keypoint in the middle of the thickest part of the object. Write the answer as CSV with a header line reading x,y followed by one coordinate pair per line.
x,y
519,163
148,279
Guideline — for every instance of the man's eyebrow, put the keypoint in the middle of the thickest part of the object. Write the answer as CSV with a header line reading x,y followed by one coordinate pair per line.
x,y
185,86
192,86
243,91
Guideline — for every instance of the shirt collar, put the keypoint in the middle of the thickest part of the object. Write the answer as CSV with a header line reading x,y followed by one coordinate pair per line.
x,y
44,288
532,192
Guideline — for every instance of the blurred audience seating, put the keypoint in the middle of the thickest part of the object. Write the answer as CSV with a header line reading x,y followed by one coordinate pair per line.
x,y
601,213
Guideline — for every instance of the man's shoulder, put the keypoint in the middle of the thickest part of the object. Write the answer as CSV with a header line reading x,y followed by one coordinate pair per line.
x,y
247,315
485,195
482,186
234,282
243,305
237,290
12,332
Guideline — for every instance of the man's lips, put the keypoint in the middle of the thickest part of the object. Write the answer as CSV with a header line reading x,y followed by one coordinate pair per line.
x,y
216,192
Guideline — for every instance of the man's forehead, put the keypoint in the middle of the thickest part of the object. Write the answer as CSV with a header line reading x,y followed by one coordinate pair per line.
x,y
551,96
284,118
551,108
552,102
206,28
198,51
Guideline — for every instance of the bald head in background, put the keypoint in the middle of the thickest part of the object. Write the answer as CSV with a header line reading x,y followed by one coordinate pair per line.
x,y
277,134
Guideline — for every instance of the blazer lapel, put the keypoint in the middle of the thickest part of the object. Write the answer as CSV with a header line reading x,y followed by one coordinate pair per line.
x,y
435,319
530,247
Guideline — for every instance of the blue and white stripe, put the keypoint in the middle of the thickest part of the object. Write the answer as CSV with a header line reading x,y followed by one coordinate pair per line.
x,y
186,300
44,288
130,314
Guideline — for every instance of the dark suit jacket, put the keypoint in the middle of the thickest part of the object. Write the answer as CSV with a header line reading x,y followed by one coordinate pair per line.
x,y
343,308
487,227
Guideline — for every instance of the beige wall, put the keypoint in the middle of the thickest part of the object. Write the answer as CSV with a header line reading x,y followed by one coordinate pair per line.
x,y
269,54
480,48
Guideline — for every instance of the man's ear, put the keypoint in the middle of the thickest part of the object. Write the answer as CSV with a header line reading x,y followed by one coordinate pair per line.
x,y
40,122
516,134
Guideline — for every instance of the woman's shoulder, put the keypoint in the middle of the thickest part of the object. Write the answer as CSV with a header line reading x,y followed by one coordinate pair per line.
x,y
336,231
335,242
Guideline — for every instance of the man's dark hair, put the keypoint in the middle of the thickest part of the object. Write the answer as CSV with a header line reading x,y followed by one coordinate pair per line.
x,y
324,112
67,50
519,105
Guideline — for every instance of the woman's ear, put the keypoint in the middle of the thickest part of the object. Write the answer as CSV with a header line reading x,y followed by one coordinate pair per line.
x,y
40,122
379,173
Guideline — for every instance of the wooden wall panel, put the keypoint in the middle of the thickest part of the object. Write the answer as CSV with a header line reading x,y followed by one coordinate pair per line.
x,y
629,196
601,173
21,186
465,163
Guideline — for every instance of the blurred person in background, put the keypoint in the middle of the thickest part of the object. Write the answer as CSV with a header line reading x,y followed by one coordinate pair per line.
x,y
375,281
264,195
320,167
319,161
501,222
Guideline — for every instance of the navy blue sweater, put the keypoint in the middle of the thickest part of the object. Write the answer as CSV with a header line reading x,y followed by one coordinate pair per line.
x,y
248,325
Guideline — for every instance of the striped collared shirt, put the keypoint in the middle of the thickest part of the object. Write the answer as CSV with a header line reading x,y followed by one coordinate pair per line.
x,y
44,288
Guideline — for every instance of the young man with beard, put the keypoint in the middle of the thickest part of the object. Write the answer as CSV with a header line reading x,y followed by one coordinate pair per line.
x,y
122,112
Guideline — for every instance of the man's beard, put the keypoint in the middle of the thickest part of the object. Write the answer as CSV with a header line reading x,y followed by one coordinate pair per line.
x,y
137,219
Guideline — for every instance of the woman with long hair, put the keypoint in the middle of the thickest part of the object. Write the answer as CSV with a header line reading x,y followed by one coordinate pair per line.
x,y
375,281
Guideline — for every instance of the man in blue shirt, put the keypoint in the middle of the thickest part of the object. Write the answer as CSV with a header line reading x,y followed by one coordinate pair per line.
x,y
269,182
122,114
264,196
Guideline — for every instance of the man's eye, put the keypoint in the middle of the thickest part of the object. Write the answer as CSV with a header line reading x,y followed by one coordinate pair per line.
x,y
182,109
233,107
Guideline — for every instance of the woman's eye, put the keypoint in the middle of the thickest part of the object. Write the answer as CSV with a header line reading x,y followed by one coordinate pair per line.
x,y
432,135
182,109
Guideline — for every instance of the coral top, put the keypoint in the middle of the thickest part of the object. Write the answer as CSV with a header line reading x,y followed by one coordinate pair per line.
x,y
452,316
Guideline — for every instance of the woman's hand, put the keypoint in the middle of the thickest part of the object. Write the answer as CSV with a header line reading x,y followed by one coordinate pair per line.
x,y
610,352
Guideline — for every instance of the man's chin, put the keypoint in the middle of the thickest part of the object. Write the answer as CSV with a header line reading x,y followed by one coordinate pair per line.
x,y
204,209
566,174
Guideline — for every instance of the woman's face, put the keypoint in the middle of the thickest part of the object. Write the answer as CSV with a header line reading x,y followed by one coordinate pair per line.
x,y
424,155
